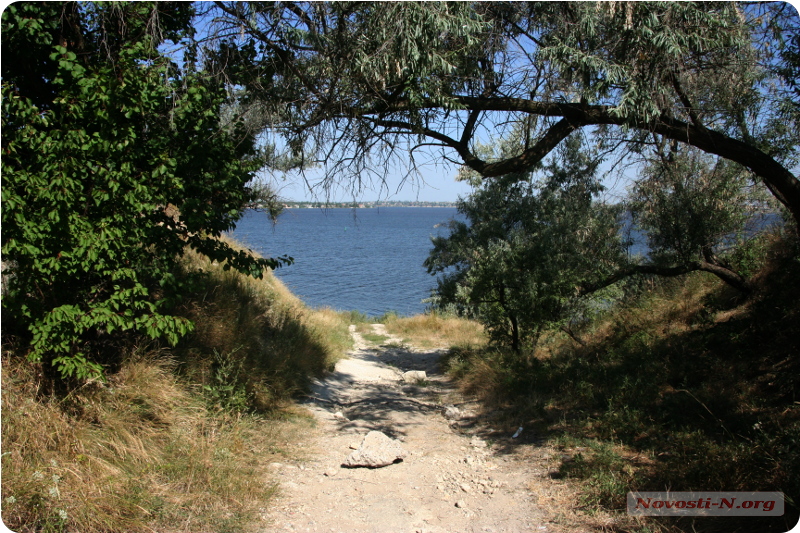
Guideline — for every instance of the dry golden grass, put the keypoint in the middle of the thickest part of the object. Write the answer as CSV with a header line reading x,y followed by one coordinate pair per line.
x,y
140,453
684,383
433,330
256,335
167,443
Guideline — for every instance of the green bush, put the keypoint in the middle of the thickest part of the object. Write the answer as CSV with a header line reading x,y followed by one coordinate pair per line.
x,y
114,160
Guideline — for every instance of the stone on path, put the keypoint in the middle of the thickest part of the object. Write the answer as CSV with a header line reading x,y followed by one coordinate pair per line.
x,y
413,376
452,413
376,450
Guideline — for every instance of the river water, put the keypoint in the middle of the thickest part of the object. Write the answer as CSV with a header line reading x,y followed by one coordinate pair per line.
x,y
369,260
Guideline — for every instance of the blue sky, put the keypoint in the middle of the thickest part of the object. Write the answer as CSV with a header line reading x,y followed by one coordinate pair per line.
x,y
434,184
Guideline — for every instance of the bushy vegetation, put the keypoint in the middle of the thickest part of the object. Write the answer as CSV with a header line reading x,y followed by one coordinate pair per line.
x,y
528,245
122,166
684,384
114,160
177,438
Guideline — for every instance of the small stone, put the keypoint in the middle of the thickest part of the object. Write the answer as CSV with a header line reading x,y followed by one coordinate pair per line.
x,y
465,487
331,472
461,504
452,413
376,450
414,376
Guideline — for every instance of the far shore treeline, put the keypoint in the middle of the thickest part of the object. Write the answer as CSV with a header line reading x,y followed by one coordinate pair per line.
x,y
288,204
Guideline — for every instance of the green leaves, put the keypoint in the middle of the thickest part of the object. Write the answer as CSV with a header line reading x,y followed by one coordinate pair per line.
x,y
528,246
110,169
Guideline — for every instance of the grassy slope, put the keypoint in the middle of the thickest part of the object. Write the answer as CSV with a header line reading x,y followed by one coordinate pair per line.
x,y
684,386
163,445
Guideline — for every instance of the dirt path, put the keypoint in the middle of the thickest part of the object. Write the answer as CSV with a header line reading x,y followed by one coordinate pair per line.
x,y
458,475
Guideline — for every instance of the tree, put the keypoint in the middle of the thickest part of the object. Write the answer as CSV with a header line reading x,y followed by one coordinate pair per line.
x,y
689,204
527,247
114,160
357,80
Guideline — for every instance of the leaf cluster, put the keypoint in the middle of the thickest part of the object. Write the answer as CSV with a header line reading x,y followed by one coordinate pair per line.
x,y
113,162
689,202
526,247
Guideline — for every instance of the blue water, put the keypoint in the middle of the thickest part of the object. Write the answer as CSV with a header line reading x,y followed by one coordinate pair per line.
x,y
369,260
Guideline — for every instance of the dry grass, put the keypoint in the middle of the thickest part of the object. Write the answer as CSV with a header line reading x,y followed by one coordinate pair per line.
x,y
171,443
684,384
140,453
256,336
431,330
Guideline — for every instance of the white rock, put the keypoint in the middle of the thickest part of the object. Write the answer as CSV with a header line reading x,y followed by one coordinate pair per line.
x,y
452,413
413,376
376,450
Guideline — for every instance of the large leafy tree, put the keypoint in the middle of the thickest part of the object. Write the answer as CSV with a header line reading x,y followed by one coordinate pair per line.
x,y
359,79
114,160
529,243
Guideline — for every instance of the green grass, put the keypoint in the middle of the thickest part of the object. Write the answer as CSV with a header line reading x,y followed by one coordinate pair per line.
x,y
374,338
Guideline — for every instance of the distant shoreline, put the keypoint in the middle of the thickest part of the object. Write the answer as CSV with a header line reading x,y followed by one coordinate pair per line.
x,y
363,205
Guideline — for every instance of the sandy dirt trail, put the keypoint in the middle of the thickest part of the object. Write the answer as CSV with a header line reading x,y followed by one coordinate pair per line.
x,y
458,476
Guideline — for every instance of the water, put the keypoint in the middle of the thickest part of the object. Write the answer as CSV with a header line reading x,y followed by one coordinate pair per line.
x,y
369,260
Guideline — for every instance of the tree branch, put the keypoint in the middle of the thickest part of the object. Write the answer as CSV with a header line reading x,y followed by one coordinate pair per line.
x,y
728,276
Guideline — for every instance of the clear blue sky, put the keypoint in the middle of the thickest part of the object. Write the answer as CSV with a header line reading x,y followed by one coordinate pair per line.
x,y
434,184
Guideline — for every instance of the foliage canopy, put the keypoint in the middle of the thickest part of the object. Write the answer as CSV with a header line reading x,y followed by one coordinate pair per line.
x,y
352,82
528,245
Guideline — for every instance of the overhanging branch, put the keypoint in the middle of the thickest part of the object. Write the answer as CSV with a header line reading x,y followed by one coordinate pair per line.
x,y
728,276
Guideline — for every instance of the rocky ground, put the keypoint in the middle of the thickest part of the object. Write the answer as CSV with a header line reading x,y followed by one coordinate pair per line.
x,y
458,473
